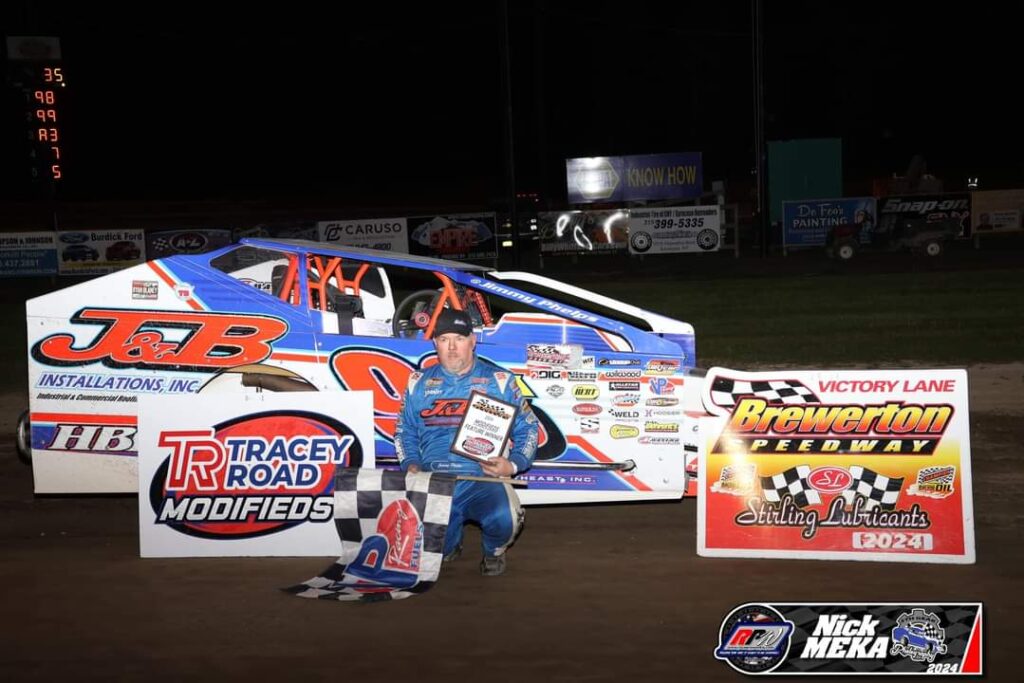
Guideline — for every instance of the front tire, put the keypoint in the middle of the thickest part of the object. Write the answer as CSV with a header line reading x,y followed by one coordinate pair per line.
x,y
846,251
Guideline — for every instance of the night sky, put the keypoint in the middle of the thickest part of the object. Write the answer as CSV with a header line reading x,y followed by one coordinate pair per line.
x,y
381,104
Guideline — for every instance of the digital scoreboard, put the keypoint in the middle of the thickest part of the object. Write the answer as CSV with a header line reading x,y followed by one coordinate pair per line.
x,y
35,69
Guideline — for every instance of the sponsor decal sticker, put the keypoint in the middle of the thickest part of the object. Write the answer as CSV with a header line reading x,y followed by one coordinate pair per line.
x,y
934,482
145,289
585,392
586,409
135,338
624,432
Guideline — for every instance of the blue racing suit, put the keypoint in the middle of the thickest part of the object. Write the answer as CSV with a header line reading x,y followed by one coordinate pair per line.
x,y
432,409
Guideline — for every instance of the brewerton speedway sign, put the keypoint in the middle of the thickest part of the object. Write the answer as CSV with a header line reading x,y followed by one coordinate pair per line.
x,y
852,465
250,476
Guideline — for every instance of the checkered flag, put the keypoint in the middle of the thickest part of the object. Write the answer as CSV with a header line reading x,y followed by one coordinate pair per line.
x,y
392,527
726,391
877,489
160,246
792,481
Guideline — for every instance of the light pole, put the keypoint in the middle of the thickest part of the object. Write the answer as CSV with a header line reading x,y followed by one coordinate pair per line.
x,y
762,220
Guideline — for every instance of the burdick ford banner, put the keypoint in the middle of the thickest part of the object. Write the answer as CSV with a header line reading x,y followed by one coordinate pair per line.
x,y
675,229
28,253
95,252
385,234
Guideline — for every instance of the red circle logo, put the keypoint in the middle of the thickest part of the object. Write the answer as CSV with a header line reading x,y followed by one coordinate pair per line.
x,y
829,479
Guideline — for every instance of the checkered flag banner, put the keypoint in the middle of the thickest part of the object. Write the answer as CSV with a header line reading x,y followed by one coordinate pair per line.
x,y
726,391
792,481
160,246
392,527
877,489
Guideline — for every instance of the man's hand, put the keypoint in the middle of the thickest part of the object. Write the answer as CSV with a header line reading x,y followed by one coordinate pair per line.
x,y
413,469
498,467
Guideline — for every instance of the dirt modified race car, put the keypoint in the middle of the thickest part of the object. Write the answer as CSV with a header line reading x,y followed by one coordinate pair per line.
x,y
610,382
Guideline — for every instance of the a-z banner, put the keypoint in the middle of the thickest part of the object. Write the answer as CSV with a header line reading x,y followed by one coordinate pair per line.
x,y
583,232
165,243
250,476
851,465
856,639
997,211
385,234
392,527
28,253
674,229
463,237
808,223
948,214
100,251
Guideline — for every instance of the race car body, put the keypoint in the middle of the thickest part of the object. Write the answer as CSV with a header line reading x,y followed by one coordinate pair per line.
x,y
610,383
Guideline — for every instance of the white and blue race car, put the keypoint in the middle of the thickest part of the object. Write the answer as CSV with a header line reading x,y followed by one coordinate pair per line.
x,y
614,385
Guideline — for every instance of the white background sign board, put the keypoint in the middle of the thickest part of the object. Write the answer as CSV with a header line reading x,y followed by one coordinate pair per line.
x,y
246,475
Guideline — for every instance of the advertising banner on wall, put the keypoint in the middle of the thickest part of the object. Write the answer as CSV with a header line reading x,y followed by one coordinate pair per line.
x,y
253,476
28,253
164,243
807,223
583,232
851,465
95,252
676,229
385,234
288,230
462,237
949,214
634,178
997,211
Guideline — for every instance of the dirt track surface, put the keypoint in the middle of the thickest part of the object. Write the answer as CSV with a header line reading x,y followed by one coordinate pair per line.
x,y
611,592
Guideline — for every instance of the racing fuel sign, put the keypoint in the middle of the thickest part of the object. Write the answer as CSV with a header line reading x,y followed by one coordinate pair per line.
x,y
252,476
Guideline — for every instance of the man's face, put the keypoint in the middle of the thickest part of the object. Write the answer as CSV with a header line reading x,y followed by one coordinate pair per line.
x,y
455,351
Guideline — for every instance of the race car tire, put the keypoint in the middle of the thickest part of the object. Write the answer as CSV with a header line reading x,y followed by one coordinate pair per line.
x,y
402,324
23,438
846,251
932,248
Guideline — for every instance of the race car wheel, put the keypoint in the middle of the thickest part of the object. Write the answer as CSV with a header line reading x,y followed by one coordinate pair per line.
x,y
23,435
846,251
932,248
409,316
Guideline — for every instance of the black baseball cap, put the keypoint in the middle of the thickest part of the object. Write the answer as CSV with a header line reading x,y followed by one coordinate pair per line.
x,y
451,320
